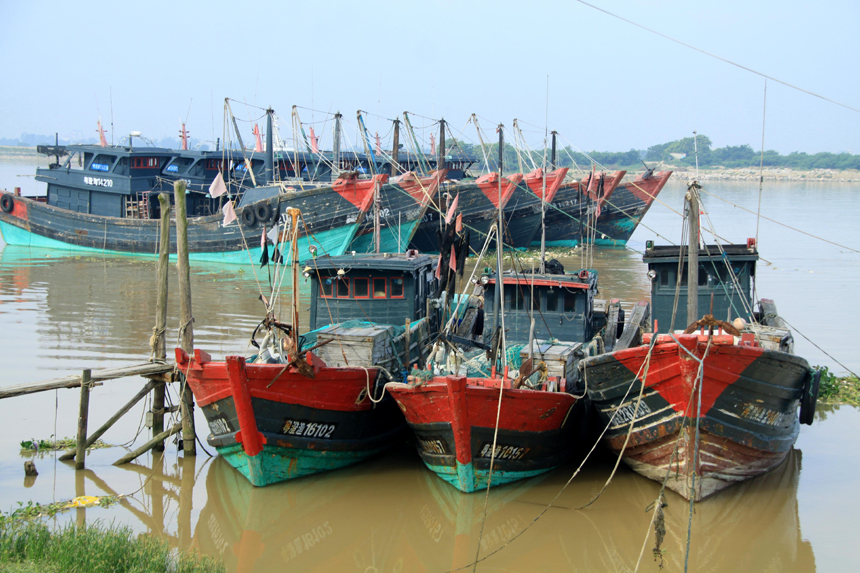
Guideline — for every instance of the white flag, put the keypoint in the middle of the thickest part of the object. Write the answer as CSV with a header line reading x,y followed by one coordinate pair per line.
x,y
217,188
273,235
229,213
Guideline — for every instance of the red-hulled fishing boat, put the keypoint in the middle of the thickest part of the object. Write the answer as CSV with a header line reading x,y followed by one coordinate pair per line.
x,y
454,419
717,403
283,413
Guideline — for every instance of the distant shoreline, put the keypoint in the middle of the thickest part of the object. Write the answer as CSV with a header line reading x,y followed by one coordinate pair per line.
x,y
29,155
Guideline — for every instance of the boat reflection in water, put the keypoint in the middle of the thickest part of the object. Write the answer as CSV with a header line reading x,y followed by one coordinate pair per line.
x,y
387,516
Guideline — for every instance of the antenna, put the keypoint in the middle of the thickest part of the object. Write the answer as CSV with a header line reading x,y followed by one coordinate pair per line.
x,y
111,115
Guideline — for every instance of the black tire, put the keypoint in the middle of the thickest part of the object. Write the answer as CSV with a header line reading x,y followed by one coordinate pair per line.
x,y
7,203
248,217
263,212
809,398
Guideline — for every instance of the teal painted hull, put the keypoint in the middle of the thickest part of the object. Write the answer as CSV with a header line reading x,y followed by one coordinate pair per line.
x,y
468,480
276,464
333,242
392,239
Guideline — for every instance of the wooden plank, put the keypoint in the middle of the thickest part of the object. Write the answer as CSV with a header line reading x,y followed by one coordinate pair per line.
x,y
106,426
74,381
83,417
148,445
632,335
612,325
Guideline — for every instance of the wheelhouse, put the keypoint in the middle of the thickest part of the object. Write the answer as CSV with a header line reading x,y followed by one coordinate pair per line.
x,y
384,288
726,272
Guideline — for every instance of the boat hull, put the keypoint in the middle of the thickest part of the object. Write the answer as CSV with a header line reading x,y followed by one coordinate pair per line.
x,y
567,220
744,425
454,422
273,424
330,219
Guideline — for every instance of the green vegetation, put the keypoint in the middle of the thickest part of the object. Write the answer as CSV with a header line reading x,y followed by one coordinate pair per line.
x,y
33,510
838,389
30,546
35,445
731,156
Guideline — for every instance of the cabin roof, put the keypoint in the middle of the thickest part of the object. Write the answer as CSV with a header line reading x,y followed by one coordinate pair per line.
x,y
381,261
566,281
670,253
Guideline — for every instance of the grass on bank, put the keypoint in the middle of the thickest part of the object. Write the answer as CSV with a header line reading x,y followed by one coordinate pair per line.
x,y
31,546
835,389
41,445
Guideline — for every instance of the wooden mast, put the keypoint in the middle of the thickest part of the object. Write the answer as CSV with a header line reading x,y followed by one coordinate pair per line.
x,y
500,286
395,149
693,253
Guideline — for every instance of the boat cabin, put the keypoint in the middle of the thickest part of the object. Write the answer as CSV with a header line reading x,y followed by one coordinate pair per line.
x,y
562,306
382,288
110,181
730,279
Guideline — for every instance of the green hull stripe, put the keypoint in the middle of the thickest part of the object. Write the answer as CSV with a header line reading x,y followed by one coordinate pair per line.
x,y
333,242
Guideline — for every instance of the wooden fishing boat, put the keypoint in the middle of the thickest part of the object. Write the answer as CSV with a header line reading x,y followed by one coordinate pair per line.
x,y
454,419
721,401
303,405
601,210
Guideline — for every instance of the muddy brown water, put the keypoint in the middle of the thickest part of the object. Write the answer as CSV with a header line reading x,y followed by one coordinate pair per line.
x,y
61,312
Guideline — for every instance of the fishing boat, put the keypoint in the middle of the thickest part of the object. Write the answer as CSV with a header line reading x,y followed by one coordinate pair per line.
x,y
718,402
108,206
601,209
478,424
303,405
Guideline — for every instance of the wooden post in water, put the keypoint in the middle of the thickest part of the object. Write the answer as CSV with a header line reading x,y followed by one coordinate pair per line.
x,y
81,454
186,320
407,338
692,255
159,352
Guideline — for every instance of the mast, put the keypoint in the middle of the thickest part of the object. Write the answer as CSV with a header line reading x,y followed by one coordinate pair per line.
x,y
500,287
693,254
367,147
543,214
422,161
440,159
553,160
336,145
268,166
395,153
294,253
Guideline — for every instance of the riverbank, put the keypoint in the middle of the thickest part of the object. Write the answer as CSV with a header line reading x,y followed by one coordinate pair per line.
x,y
769,174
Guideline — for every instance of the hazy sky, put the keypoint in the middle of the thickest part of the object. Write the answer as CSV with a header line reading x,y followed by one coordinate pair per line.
x,y
612,86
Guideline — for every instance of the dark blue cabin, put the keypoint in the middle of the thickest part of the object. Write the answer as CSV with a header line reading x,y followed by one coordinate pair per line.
x,y
384,288
562,306
727,272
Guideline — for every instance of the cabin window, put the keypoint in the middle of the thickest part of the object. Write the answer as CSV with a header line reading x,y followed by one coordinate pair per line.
x,y
102,163
397,288
360,288
326,289
665,277
216,164
703,277
521,298
380,289
569,302
536,301
343,288
551,297
144,162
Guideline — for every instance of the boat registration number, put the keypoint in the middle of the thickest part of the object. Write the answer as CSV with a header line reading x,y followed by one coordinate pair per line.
x,y
308,429
503,452
433,446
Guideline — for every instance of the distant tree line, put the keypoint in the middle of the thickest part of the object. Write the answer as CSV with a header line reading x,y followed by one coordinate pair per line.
x,y
684,150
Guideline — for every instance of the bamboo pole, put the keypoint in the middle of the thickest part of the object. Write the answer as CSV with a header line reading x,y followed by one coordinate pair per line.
x,y
160,352
407,338
692,255
74,381
83,415
113,419
186,328
148,445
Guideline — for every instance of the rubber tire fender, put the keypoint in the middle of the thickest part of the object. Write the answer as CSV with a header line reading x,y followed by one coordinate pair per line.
x,y
809,398
7,203
249,218
263,212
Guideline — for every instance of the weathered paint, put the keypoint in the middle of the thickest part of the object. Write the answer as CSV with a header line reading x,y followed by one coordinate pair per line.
x,y
621,209
749,404
454,419
272,423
